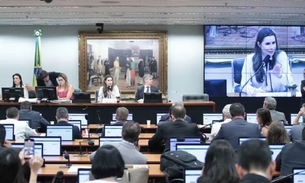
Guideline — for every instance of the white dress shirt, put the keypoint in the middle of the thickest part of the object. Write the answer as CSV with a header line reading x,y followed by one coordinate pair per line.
x,y
145,89
216,127
21,129
114,95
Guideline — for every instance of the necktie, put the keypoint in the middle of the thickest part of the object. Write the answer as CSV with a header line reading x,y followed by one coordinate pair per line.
x,y
147,89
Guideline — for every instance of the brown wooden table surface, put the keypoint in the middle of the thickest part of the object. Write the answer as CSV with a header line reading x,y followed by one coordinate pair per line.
x,y
51,169
151,159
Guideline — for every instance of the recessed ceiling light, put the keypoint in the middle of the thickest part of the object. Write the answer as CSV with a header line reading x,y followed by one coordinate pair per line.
x,y
109,2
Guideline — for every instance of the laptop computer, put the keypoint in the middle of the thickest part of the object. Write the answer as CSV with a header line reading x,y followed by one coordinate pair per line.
x,y
198,150
77,123
276,149
158,117
109,140
288,128
251,118
185,140
129,117
10,131
208,118
299,177
64,131
83,174
293,116
112,131
243,139
38,148
79,116
51,145
190,175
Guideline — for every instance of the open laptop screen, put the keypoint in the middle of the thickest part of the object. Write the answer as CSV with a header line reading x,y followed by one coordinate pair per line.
x,y
9,128
65,132
109,140
191,174
129,117
243,139
51,145
79,116
208,118
293,116
198,150
275,149
186,140
113,131
83,175
251,118
159,116
38,148
76,123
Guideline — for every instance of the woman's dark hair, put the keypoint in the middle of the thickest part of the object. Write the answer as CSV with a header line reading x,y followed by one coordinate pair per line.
x,y
105,88
220,163
257,57
10,166
277,134
2,135
21,83
265,116
107,162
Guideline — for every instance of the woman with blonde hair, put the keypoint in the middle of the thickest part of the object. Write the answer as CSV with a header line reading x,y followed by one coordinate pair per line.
x,y
64,90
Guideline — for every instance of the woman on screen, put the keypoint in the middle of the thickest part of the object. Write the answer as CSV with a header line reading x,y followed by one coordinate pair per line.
x,y
64,90
108,90
18,83
268,66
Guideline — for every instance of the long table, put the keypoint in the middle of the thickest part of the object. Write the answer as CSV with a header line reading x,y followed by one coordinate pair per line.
x,y
102,113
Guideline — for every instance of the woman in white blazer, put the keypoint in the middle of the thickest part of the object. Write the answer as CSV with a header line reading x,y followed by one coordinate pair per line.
x,y
109,90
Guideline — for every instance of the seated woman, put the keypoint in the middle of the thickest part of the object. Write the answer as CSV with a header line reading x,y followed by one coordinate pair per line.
x,y
277,134
219,165
108,90
263,118
107,165
64,90
18,83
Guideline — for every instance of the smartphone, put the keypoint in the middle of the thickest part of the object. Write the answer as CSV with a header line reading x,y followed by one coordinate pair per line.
x,y
29,148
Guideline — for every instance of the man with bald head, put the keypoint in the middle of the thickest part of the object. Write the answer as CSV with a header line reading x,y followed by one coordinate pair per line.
x,y
167,117
176,128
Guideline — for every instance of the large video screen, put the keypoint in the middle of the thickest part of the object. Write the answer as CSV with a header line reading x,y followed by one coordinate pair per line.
x,y
254,60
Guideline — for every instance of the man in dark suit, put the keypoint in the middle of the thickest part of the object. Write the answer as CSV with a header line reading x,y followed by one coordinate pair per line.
x,y
62,117
167,117
176,128
147,88
254,162
238,127
26,113
291,156
47,78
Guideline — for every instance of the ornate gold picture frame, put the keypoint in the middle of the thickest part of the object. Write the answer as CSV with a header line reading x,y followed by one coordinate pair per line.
x,y
98,52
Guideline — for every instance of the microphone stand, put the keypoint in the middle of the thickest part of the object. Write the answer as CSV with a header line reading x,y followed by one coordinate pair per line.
x,y
80,151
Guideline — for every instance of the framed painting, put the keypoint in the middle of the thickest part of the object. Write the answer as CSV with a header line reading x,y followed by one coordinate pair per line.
x,y
126,56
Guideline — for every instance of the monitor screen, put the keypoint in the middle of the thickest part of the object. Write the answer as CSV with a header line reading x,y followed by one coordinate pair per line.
x,y
275,149
129,117
191,175
51,145
198,150
300,177
293,116
38,148
65,132
188,140
109,140
243,139
10,130
288,128
113,131
80,116
46,92
232,53
76,123
12,94
159,116
251,118
83,175
208,118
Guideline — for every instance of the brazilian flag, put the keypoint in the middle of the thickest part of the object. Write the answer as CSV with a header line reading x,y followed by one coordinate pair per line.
x,y
37,62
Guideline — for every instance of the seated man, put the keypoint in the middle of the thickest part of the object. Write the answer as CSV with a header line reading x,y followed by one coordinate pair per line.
x,y
121,116
147,88
129,147
270,103
167,117
26,113
62,117
291,156
226,116
21,129
177,127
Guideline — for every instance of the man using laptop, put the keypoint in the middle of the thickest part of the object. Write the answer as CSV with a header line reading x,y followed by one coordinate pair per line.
x,y
21,129
121,116
26,113
129,147
147,88
167,117
177,128
62,117
254,162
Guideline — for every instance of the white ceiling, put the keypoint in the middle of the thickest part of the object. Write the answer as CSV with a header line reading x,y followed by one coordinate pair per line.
x,y
142,12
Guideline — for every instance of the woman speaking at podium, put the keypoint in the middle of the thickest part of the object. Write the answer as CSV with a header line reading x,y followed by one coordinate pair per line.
x,y
109,90
267,69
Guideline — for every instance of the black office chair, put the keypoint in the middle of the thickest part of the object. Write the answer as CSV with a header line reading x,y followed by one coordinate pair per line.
x,y
237,68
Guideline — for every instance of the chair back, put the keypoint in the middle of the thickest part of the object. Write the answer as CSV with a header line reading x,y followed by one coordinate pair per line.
x,y
237,67
196,97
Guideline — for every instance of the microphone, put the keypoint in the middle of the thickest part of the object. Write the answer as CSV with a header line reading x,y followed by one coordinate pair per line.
x,y
109,88
67,157
80,154
264,63
279,179
59,177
